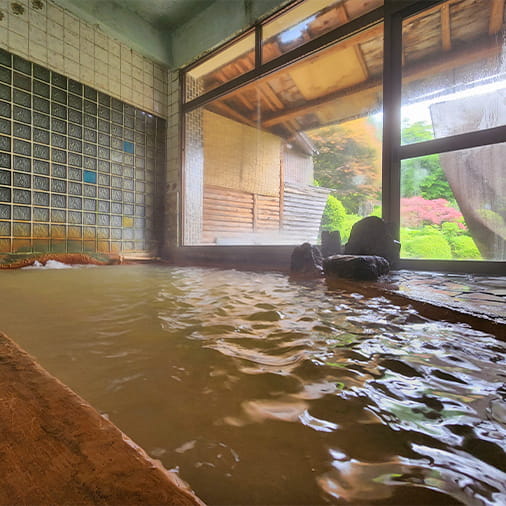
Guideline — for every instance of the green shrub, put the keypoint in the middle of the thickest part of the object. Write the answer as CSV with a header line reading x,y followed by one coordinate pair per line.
x,y
464,248
427,243
333,214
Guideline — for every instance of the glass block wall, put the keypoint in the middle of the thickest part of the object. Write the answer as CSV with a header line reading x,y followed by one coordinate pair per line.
x,y
80,171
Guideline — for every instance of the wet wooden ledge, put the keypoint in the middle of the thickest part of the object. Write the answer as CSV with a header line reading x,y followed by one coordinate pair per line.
x,y
56,449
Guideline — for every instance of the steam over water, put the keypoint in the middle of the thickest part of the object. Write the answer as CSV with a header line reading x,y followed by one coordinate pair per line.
x,y
262,390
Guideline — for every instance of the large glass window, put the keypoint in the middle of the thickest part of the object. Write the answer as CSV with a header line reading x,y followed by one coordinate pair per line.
x,y
453,200
298,150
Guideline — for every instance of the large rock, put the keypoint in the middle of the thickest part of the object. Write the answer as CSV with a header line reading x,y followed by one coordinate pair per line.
x,y
306,260
370,236
361,268
331,243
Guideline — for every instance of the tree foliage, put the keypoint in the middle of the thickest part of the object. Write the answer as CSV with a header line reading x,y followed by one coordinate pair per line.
x,y
348,160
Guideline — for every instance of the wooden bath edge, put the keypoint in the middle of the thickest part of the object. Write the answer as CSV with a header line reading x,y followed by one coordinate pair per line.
x,y
55,448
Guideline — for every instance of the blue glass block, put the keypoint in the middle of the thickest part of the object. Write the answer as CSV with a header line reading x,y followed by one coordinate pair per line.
x,y
128,147
21,179
90,176
5,177
75,217
5,194
89,218
5,228
75,203
40,214
41,199
90,204
21,213
5,212
103,219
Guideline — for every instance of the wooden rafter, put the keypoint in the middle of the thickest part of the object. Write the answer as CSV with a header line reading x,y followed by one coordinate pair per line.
x,y
446,34
496,16
413,72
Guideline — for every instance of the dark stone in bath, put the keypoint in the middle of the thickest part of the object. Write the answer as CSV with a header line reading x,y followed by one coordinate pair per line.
x,y
370,236
306,259
331,243
361,268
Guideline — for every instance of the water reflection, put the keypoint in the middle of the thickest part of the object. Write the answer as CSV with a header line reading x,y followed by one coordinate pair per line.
x,y
261,390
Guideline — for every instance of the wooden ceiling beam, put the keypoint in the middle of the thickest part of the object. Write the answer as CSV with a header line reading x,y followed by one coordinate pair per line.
x,y
412,72
496,16
446,33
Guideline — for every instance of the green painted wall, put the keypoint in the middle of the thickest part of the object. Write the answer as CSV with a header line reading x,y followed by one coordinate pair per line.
x,y
219,22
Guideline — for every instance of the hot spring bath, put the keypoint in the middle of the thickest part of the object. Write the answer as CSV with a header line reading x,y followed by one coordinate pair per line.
x,y
261,390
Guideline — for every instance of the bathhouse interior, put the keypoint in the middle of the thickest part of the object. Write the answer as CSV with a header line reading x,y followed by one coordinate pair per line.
x,y
159,162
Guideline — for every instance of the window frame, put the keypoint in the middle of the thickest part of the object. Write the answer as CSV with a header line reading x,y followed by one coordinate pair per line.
x,y
391,14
